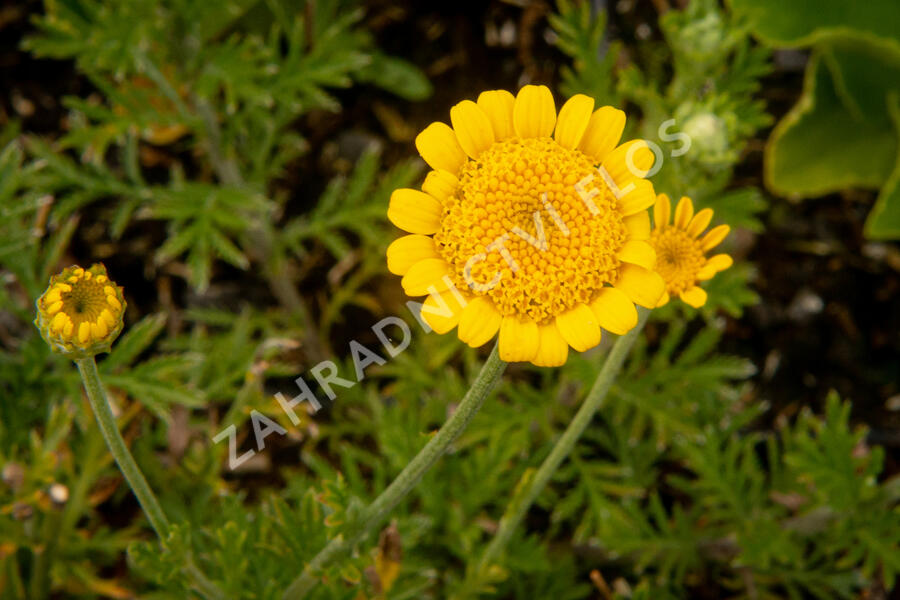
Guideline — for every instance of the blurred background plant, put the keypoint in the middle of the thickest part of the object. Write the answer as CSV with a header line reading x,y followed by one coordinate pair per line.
x,y
845,129
231,163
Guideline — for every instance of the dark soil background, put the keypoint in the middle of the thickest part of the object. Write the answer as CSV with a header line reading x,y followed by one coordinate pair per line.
x,y
829,313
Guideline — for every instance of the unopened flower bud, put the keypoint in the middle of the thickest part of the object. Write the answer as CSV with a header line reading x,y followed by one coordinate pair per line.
x,y
80,313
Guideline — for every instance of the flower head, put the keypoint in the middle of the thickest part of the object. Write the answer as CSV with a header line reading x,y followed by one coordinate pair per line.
x,y
531,224
681,252
80,313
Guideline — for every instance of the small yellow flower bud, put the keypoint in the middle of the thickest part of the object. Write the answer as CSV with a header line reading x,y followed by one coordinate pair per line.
x,y
80,313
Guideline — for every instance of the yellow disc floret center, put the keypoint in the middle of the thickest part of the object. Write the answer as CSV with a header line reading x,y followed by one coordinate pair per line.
x,y
82,308
678,258
85,302
519,231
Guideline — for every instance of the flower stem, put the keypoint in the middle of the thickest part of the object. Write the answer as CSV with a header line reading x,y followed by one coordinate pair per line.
x,y
97,396
407,479
520,505
133,475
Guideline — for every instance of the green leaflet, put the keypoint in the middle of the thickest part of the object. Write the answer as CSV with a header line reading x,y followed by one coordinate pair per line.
x,y
807,22
843,132
826,143
884,220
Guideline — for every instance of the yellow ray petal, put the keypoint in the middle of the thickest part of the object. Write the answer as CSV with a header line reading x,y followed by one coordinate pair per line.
x,y
534,112
683,213
439,148
472,127
99,330
442,311
716,263
638,253
579,327
662,210
603,132
440,184
639,198
720,262
663,300
108,318
699,222
714,237
424,274
552,347
638,225
628,162
573,120
406,251
415,211
694,296
479,322
615,311
58,322
643,286
498,106
706,273
84,332
518,339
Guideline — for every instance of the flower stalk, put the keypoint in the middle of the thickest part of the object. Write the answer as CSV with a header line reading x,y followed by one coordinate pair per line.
x,y
87,367
592,403
376,512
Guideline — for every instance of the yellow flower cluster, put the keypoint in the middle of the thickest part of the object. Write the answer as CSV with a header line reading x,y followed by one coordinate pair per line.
x,y
80,313
534,225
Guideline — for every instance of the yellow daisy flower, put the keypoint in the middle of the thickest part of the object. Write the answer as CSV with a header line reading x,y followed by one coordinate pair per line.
x,y
532,224
80,313
681,252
